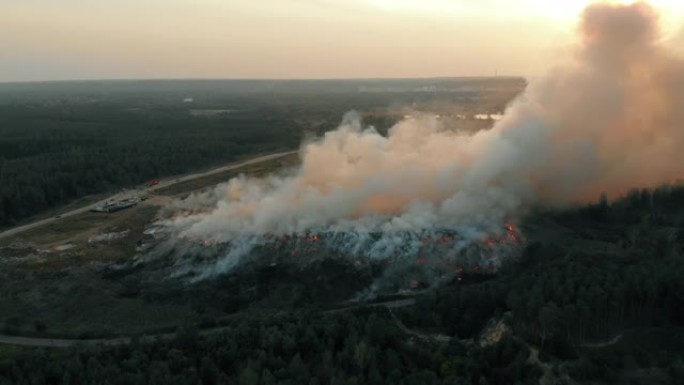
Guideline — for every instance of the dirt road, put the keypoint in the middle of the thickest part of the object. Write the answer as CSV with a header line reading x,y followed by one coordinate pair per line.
x,y
394,304
605,344
423,336
64,343
162,184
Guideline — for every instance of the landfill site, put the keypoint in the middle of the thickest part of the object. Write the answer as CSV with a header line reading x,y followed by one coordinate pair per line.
x,y
114,205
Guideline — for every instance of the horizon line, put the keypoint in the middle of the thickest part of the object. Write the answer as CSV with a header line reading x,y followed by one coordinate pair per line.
x,y
8,82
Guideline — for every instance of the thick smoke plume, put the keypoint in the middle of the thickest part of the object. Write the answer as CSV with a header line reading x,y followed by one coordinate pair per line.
x,y
608,121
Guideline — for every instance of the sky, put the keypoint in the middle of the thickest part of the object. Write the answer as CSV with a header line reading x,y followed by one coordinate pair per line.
x,y
287,39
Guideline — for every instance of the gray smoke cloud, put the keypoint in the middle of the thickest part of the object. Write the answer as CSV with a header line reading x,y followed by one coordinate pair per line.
x,y
607,121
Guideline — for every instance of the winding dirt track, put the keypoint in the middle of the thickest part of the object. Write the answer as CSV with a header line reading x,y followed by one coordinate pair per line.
x,y
162,184
65,343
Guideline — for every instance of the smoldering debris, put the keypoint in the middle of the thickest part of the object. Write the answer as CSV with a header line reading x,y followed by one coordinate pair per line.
x,y
606,121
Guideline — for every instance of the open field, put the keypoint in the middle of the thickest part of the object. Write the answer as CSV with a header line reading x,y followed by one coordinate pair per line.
x,y
203,179
55,280
187,185
62,254
52,270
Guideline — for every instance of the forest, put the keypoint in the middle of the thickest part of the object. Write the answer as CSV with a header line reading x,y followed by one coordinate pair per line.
x,y
295,348
595,296
52,155
62,141
601,304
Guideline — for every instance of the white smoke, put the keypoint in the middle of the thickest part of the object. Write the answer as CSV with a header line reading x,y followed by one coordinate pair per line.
x,y
607,122
418,177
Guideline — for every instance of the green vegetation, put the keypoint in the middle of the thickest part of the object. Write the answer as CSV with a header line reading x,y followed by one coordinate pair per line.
x,y
50,155
591,298
596,297
295,348
213,180
597,294
63,141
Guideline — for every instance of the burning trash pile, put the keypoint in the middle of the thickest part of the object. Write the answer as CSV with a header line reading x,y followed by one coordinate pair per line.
x,y
605,122
444,254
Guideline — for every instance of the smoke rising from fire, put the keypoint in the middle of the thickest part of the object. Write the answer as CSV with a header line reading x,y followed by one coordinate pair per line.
x,y
609,120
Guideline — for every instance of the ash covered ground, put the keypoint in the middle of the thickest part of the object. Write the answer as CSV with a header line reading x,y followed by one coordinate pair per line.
x,y
603,122
401,262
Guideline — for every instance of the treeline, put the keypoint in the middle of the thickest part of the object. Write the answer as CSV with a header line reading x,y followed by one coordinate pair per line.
x,y
61,141
53,154
619,274
292,349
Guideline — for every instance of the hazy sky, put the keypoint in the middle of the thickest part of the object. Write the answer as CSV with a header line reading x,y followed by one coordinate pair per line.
x,y
100,39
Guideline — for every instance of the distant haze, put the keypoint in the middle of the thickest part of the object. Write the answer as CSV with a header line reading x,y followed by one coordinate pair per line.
x,y
605,120
88,39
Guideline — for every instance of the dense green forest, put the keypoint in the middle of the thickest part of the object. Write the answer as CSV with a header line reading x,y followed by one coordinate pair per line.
x,y
52,155
618,278
597,297
61,141
284,349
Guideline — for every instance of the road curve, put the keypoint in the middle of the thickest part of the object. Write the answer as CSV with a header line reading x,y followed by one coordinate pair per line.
x,y
65,343
162,184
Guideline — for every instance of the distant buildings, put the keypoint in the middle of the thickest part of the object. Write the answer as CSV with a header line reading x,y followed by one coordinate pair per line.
x,y
379,89
116,205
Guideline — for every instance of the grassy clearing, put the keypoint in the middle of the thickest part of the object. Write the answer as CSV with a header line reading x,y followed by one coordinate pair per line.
x,y
78,203
76,232
9,352
65,294
62,230
80,306
81,226
260,169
